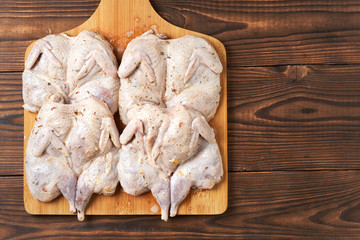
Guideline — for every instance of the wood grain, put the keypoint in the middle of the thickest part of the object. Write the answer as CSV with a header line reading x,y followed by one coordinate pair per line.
x,y
41,17
115,19
25,21
263,40
266,205
11,124
260,33
255,33
309,114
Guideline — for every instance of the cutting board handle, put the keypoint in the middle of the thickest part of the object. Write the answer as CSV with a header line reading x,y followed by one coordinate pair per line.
x,y
109,12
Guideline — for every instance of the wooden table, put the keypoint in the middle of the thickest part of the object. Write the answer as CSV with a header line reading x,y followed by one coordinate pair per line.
x,y
294,120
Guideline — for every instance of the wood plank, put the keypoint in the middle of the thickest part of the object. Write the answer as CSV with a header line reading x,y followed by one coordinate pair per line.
x,y
30,8
11,124
12,55
35,19
25,21
255,33
294,118
115,19
271,205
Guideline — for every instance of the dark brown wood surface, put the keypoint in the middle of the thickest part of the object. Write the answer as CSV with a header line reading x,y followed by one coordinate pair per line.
x,y
294,120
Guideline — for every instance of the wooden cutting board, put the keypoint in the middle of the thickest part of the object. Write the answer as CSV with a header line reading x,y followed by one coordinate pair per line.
x,y
120,21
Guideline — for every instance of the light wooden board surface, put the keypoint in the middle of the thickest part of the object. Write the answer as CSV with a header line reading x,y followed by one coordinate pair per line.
x,y
120,21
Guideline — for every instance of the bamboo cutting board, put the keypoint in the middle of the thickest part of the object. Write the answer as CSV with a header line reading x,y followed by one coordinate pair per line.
x,y
120,21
